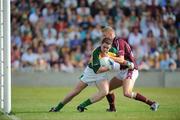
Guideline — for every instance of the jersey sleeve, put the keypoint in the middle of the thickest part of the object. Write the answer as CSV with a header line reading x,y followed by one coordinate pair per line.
x,y
121,48
95,63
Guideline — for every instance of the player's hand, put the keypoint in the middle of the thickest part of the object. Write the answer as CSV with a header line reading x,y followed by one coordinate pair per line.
x,y
130,64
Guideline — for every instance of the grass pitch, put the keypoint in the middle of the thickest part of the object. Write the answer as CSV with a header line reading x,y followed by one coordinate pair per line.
x,y
32,103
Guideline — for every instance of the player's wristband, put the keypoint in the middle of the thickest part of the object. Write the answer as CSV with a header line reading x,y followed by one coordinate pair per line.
x,y
129,64
126,63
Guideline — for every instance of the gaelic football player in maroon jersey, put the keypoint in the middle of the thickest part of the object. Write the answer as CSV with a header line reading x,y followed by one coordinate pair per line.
x,y
127,75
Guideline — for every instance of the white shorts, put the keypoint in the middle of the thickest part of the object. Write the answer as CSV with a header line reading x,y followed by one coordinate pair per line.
x,y
127,74
89,77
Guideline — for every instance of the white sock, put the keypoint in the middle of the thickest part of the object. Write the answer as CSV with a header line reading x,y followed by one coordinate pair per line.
x,y
133,95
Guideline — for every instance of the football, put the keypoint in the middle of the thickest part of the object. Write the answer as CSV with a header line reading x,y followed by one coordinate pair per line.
x,y
106,62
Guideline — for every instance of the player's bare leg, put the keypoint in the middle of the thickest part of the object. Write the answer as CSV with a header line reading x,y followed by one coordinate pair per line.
x,y
103,89
79,87
128,85
114,83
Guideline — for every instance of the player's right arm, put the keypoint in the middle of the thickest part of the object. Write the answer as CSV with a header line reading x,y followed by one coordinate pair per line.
x,y
102,69
120,59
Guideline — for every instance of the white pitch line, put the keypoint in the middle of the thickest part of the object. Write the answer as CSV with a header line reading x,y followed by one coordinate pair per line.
x,y
13,117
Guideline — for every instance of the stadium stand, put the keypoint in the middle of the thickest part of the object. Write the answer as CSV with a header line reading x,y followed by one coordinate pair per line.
x,y
59,35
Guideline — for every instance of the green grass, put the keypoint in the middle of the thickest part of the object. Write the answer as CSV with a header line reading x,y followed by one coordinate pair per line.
x,y
32,103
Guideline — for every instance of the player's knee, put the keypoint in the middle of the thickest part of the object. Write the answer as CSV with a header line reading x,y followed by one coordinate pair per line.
x,y
104,92
127,94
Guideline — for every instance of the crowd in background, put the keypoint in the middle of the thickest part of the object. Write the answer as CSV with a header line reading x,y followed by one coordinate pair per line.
x,y
60,35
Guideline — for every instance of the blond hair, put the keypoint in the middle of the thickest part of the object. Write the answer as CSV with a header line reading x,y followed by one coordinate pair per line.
x,y
107,29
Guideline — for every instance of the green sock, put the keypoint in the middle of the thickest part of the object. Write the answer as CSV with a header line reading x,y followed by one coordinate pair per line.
x,y
60,106
86,103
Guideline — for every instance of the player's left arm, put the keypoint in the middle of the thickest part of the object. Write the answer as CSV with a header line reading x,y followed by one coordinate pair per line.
x,y
117,56
119,59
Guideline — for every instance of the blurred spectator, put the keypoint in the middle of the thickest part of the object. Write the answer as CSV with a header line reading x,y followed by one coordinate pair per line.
x,y
54,58
75,42
70,3
144,65
163,36
172,32
134,40
49,30
100,19
15,57
67,65
85,23
29,59
72,16
167,63
173,46
48,13
151,41
96,33
142,50
34,15
83,10
16,39
50,39
155,61
61,22
74,32
42,63
96,6
77,57
168,16
60,40
26,28
122,31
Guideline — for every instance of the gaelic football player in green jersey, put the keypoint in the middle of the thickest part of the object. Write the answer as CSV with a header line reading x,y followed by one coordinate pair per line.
x,y
93,73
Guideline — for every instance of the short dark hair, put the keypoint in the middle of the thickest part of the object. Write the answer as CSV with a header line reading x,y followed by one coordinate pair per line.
x,y
107,41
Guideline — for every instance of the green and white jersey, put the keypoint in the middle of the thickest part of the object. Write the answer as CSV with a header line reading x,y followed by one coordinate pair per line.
x,y
97,55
